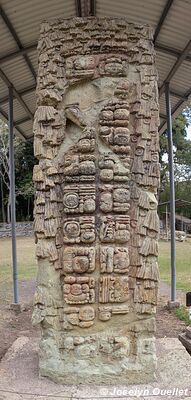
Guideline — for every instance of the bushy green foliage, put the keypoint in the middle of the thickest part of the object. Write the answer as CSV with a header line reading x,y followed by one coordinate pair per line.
x,y
182,314
182,163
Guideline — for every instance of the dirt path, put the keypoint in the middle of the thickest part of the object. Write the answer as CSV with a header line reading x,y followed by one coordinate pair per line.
x,y
167,323
13,326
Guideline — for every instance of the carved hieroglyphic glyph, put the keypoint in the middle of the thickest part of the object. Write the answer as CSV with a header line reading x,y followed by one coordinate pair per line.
x,y
96,221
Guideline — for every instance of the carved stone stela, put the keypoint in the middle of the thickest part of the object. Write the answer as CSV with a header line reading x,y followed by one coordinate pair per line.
x,y
96,224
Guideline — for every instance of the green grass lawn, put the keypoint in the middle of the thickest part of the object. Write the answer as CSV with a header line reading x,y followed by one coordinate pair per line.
x,y
183,263
27,266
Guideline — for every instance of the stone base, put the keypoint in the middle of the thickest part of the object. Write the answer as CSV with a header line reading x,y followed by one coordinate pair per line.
x,y
128,377
94,361
171,305
117,374
185,339
15,307
21,370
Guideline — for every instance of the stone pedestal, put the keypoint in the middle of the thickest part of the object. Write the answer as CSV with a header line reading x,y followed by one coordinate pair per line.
x,y
185,339
96,221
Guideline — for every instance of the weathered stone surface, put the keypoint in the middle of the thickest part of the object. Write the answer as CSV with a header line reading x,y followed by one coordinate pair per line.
x,y
185,339
96,218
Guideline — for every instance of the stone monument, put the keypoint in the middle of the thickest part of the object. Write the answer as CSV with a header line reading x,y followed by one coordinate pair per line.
x,y
96,223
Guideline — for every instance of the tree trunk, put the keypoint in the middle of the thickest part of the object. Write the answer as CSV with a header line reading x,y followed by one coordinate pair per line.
x,y
9,210
2,201
28,208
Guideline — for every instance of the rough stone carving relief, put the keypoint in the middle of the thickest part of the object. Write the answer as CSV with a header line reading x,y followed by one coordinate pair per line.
x,y
96,220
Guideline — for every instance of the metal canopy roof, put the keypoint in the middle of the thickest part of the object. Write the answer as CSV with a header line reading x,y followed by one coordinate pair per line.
x,y
19,30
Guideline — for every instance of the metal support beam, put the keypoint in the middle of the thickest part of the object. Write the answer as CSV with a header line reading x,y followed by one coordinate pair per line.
x,y
170,51
12,197
179,95
78,8
86,8
17,40
162,19
27,90
175,67
6,117
172,193
89,8
18,53
15,93
93,8
178,105
163,116
21,121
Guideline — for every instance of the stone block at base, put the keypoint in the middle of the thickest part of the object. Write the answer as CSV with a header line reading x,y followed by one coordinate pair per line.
x,y
15,307
171,305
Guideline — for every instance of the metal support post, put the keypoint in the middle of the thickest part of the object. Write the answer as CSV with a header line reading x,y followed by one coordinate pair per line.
x,y
167,223
12,196
172,193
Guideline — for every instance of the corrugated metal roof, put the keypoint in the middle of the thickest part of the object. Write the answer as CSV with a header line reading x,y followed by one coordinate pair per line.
x,y
27,128
3,89
163,106
135,11
30,100
162,66
7,44
33,56
176,31
19,112
19,29
182,78
18,72
26,16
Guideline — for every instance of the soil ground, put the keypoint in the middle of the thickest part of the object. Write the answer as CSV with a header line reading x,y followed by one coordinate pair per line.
x,y
13,326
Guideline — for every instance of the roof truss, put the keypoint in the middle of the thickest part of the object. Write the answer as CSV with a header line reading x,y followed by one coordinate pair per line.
x,y
17,40
162,18
5,116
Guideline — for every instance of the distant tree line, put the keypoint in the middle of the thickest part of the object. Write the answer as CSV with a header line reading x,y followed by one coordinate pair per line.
x,y
24,162
182,163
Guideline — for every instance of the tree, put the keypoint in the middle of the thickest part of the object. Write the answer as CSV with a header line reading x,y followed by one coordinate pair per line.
x,y
4,168
24,162
182,161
